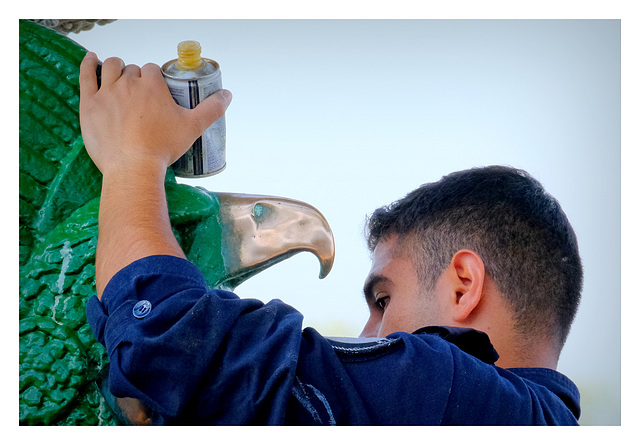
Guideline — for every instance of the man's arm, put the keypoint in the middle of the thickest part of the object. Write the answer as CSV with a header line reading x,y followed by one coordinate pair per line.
x,y
133,130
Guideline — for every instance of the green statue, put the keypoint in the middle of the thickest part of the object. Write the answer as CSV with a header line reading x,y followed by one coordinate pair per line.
x,y
230,237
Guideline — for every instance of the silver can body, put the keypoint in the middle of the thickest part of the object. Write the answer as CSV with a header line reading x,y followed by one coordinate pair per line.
x,y
207,155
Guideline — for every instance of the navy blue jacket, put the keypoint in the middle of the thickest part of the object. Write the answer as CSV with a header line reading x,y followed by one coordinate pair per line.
x,y
199,356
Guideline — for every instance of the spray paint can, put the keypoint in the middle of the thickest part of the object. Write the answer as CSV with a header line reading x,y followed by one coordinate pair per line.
x,y
191,79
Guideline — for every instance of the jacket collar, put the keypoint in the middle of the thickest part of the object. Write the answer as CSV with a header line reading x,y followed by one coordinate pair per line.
x,y
472,342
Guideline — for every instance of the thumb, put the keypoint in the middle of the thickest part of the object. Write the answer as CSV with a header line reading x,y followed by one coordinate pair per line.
x,y
212,108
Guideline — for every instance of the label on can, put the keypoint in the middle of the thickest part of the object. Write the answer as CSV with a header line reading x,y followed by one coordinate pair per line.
x,y
207,155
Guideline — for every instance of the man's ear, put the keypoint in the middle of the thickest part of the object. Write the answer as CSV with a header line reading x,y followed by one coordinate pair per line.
x,y
466,275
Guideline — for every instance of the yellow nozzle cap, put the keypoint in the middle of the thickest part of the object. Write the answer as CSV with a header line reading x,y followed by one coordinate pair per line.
x,y
189,55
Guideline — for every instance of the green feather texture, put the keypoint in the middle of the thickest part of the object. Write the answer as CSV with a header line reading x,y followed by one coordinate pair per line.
x,y
59,201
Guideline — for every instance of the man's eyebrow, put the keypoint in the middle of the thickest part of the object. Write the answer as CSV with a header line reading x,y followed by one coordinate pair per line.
x,y
372,281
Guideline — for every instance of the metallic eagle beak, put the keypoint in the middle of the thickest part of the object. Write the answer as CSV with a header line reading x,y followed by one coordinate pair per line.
x,y
259,231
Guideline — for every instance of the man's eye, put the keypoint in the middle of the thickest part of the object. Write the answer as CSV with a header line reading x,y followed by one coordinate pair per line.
x,y
382,302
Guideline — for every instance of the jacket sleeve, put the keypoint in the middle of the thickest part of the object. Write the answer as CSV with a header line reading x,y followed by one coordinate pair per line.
x,y
169,338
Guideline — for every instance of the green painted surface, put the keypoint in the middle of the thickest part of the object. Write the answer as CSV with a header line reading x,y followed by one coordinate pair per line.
x,y
59,200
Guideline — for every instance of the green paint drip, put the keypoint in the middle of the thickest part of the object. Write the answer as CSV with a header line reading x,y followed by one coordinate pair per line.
x,y
65,253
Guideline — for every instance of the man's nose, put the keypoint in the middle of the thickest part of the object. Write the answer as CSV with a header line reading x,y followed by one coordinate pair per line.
x,y
370,329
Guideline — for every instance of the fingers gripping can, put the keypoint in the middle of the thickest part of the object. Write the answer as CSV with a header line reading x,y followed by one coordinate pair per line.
x,y
191,79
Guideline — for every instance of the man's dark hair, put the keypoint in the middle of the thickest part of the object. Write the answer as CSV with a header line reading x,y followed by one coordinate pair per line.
x,y
504,215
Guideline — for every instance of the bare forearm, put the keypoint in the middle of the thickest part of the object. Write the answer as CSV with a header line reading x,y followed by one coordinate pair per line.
x,y
133,223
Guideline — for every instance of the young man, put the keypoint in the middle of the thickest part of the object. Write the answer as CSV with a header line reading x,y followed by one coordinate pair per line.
x,y
481,257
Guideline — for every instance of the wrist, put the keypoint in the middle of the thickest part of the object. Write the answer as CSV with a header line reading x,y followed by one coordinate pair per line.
x,y
148,173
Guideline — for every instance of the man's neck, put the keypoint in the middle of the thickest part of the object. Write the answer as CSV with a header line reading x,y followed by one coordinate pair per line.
x,y
524,354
